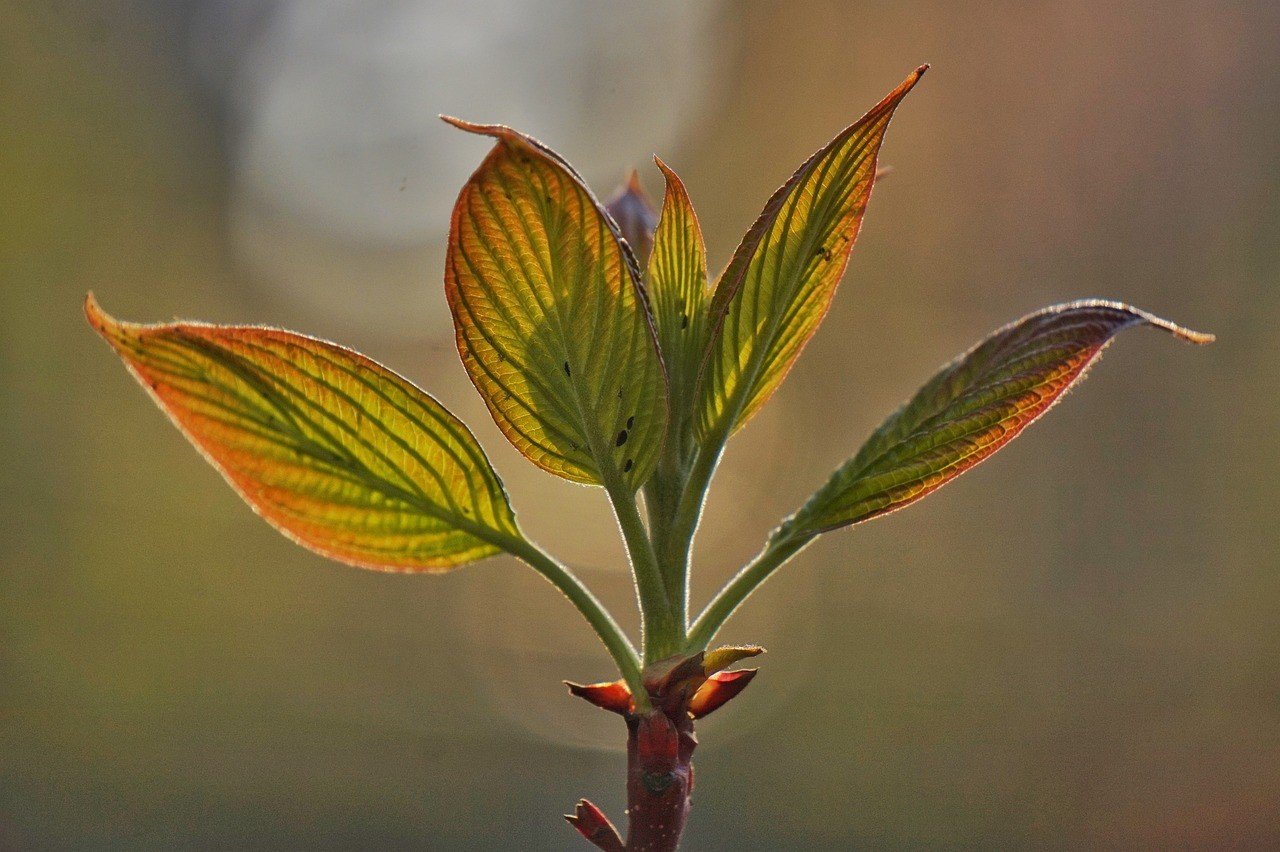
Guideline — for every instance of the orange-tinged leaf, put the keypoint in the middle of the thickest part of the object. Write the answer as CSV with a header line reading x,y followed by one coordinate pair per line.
x,y
336,451
551,321
677,283
973,407
776,289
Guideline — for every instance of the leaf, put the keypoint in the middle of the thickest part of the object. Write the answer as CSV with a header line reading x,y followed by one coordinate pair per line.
x,y
973,407
334,450
776,289
551,321
677,282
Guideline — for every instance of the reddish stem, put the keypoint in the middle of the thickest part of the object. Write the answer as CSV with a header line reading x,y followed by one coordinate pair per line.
x,y
659,780
660,744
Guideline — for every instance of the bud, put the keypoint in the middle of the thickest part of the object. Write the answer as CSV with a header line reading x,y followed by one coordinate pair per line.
x,y
636,217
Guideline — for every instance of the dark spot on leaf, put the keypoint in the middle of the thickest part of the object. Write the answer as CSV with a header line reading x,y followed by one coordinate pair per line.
x,y
622,438
823,252
626,467
631,421
567,372
684,320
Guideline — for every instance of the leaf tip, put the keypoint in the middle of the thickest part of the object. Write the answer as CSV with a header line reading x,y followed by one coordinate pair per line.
x,y
99,320
909,83
667,173
92,310
1188,335
456,122
1199,338
497,131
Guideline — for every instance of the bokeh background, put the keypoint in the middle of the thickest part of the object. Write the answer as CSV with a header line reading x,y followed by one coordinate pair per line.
x,y
1075,645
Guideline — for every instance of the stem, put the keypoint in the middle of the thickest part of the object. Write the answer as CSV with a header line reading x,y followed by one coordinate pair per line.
x,y
746,581
661,494
693,496
662,636
659,780
613,637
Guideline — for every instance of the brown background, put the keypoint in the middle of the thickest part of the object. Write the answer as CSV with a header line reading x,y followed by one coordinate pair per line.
x,y
1076,644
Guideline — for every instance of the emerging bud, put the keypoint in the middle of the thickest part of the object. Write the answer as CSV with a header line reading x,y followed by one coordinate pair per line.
x,y
592,824
631,208
718,690
613,696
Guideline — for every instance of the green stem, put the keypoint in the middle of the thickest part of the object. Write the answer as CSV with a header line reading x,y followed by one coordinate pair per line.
x,y
662,636
661,494
693,497
737,590
613,637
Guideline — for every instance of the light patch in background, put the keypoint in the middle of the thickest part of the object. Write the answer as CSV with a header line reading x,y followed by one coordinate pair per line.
x,y
342,176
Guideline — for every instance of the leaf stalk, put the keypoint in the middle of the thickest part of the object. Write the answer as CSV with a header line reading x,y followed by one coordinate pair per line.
x,y
610,633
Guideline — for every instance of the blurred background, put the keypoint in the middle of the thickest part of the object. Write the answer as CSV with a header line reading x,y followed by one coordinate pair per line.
x,y
1076,644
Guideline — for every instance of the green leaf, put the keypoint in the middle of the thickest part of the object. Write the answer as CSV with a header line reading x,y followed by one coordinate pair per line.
x,y
334,450
773,295
973,407
551,321
677,282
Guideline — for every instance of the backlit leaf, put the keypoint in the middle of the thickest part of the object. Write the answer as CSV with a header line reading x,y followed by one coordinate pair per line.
x,y
551,322
973,407
337,452
677,282
773,295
